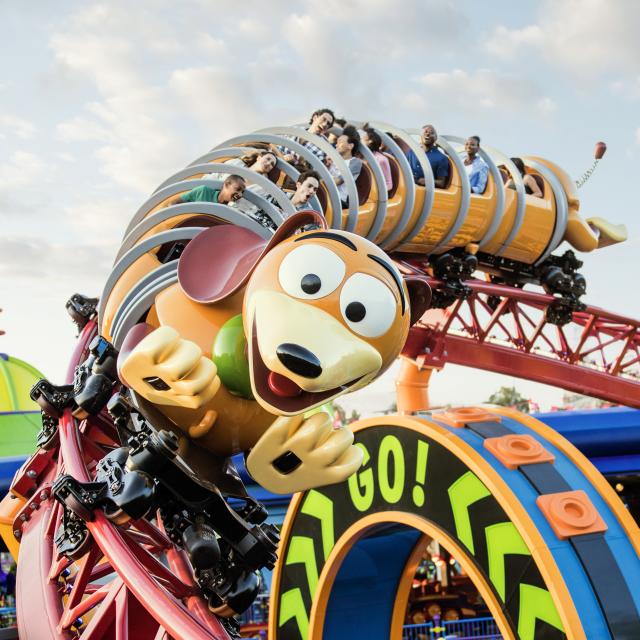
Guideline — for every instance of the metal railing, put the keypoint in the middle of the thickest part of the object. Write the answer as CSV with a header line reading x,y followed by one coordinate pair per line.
x,y
470,629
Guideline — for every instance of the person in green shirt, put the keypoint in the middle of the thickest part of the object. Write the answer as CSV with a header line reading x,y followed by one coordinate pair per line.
x,y
232,190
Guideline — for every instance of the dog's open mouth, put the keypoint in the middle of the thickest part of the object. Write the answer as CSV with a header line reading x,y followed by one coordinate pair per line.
x,y
283,393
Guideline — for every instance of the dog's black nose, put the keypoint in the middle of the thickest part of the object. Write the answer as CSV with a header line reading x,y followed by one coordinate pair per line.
x,y
299,360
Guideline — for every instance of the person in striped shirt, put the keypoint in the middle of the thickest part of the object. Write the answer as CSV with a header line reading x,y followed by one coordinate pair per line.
x,y
319,124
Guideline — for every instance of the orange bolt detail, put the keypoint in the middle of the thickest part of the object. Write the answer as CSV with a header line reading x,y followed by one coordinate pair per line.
x,y
571,513
459,416
513,450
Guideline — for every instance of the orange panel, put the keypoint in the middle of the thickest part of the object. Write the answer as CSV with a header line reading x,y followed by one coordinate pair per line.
x,y
395,207
459,416
9,509
446,204
537,226
510,205
513,450
482,209
571,513
146,263
418,204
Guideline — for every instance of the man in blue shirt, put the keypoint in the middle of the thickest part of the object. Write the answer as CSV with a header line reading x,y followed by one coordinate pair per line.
x,y
438,160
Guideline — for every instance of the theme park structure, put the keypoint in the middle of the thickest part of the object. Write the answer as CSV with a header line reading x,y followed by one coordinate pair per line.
x,y
130,522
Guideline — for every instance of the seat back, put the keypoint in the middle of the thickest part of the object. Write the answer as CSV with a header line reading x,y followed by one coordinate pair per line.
x,y
395,174
539,182
274,174
402,144
447,182
322,196
363,184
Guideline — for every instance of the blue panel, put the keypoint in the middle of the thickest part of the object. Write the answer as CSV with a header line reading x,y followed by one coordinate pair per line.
x,y
8,468
599,432
364,592
617,465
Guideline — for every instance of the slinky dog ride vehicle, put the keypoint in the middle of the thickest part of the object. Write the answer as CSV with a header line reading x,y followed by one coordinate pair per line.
x,y
215,335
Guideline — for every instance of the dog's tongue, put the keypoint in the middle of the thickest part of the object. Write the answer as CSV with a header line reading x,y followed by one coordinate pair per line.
x,y
282,386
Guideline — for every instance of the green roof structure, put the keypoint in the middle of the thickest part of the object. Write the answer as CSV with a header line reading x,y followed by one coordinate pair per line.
x,y
20,418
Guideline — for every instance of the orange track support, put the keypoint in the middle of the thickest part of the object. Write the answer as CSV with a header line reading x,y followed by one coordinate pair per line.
x,y
412,387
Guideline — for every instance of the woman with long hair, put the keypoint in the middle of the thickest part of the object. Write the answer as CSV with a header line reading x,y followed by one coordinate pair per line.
x,y
262,161
530,185
372,139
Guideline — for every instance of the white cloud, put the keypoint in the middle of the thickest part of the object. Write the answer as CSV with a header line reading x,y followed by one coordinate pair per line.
x,y
102,220
628,88
484,89
24,258
65,157
210,45
22,169
95,41
24,180
14,125
587,38
217,96
546,106
81,129
505,42
143,147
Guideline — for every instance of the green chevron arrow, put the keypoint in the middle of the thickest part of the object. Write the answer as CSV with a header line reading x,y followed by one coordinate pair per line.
x,y
502,539
466,490
319,506
536,603
301,551
292,606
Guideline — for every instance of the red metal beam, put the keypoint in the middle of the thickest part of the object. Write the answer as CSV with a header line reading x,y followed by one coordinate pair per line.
x,y
508,361
529,348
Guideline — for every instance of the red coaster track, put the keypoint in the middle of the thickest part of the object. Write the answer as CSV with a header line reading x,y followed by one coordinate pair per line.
x,y
131,583
504,329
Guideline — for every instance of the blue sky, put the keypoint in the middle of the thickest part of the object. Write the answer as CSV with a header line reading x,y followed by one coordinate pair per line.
x,y
100,102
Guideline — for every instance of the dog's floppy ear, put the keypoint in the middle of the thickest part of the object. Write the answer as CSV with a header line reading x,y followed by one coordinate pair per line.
x,y
219,260
419,296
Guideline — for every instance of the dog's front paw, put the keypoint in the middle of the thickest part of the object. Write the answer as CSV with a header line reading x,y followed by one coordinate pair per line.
x,y
169,370
295,454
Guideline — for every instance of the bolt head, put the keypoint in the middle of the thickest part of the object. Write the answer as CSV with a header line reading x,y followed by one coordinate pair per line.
x,y
31,473
17,533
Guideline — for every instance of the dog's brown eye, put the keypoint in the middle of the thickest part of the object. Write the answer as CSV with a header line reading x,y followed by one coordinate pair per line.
x,y
311,283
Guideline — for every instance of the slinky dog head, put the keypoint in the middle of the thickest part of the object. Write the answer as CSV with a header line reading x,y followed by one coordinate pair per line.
x,y
325,312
